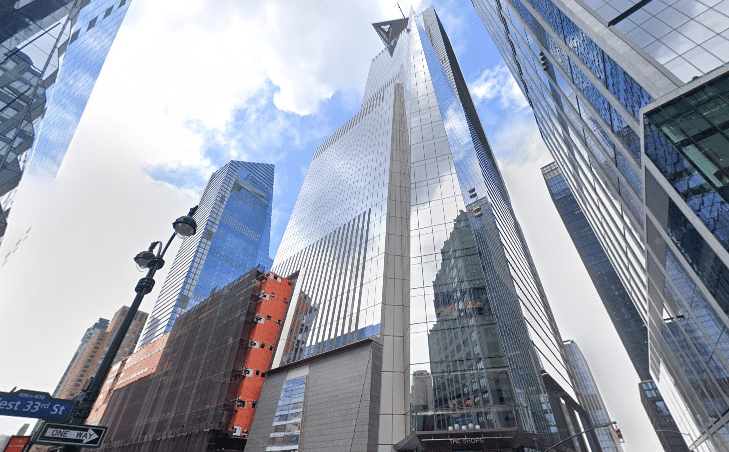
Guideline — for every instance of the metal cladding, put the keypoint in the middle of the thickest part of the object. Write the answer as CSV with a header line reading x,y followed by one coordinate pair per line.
x,y
205,370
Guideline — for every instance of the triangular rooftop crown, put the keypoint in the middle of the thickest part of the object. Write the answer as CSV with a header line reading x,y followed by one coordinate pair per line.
x,y
389,32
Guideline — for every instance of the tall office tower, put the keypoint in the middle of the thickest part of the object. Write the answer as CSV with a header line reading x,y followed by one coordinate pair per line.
x,y
97,327
632,104
404,234
87,359
233,235
590,398
661,418
52,53
623,314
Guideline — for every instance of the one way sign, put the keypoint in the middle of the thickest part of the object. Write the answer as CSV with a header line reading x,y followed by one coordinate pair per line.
x,y
77,435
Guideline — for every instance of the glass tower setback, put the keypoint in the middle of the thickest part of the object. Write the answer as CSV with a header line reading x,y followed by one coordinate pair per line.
x,y
404,229
38,40
233,236
630,100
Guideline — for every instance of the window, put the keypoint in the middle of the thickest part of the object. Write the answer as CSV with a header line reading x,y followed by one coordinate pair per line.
x,y
287,421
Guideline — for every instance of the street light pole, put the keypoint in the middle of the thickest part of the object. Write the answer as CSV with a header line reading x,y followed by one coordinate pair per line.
x,y
607,424
185,226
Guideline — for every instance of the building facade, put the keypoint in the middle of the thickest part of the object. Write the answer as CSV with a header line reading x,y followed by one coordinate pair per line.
x,y
404,230
620,308
138,365
233,235
590,398
608,88
52,53
93,349
208,378
97,327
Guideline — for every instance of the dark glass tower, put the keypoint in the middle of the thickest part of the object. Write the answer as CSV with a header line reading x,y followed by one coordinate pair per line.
x,y
233,236
52,52
631,100
404,230
624,316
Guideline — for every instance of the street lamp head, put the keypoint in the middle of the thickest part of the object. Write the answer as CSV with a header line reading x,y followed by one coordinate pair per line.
x,y
185,226
142,258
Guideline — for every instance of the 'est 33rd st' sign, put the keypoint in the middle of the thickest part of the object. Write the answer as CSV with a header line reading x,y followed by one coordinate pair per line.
x,y
39,405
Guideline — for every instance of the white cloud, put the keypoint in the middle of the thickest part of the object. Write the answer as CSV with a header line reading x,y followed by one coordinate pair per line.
x,y
498,84
520,141
179,73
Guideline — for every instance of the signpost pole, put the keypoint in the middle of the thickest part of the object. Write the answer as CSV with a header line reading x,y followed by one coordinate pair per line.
x,y
184,226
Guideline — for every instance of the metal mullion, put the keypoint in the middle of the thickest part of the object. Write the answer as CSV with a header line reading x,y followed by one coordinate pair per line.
x,y
331,252
364,263
315,288
348,271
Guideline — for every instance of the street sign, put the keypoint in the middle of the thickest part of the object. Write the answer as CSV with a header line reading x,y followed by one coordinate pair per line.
x,y
39,405
17,443
74,435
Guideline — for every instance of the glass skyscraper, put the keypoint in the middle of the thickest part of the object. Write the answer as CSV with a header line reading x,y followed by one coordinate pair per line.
x,y
52,52
91,36
233,236
590,398
404,229
631,100
623,314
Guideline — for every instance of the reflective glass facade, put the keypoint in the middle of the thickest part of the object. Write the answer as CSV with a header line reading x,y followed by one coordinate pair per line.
x,y
404,229
91,36
590,398
688,38
39,38
286,428
588,83
626,319
233,236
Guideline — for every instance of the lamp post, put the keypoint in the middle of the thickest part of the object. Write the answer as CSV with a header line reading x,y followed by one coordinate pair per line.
x,y
150,259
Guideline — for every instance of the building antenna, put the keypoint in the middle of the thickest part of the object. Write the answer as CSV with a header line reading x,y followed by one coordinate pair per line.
x,y
398,6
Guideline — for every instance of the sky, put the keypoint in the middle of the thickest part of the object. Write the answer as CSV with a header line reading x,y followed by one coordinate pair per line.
x,y
190,85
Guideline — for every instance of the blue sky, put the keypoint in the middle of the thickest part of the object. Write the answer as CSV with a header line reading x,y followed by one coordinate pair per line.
x,y
192,84
260,130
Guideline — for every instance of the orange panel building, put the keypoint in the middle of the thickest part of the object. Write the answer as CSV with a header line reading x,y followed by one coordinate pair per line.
x,y
209,376
263,325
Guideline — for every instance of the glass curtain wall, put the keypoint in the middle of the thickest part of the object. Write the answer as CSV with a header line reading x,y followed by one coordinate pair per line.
x,y
660,219
233,236
404,228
